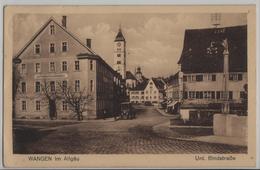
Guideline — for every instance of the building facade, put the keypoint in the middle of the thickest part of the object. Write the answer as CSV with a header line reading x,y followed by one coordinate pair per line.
x,y
55,58
151,90
213,68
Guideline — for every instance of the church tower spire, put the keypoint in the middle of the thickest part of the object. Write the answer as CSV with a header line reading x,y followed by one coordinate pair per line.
x,y
120,53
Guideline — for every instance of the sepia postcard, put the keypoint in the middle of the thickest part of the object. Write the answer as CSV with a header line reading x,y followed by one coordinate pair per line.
x,y
129,86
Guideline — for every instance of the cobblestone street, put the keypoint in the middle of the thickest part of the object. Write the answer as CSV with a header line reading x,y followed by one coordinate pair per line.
x,y
120,137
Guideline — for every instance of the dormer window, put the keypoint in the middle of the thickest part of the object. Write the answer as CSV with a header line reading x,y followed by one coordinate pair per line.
x,y
37,49
52,29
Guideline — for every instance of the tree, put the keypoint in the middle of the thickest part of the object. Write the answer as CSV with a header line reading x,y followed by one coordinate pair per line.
x,y
52,94
17,77
245,100
76,100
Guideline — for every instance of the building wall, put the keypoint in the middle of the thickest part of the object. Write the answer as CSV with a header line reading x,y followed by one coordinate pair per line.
x,y
99,74
152,94
207,86
172,91
105,90
137,96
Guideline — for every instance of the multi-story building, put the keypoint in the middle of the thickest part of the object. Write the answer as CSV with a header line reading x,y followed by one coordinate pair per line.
x,y
172,88
54,57
213,67
151,90
136,95
130,82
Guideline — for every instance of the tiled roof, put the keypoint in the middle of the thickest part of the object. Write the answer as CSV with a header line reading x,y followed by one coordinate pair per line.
x,y
203,51
158,83
129,75
97,57
141,86
172,79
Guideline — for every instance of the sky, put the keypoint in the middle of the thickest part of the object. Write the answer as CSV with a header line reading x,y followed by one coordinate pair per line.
x,y
154,41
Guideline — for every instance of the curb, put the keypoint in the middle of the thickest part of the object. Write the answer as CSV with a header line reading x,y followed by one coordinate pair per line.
x,y
199,127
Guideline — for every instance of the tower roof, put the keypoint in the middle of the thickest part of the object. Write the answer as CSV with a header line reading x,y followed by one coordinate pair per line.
x,y
120,36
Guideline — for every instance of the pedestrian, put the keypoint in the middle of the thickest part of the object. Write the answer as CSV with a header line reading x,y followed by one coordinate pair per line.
x,y
104,114
115,116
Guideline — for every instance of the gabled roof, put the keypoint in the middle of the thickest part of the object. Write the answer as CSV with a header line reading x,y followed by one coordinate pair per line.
x,y
158,83
172,79
42,29
203,51
129,75
141,86
120,36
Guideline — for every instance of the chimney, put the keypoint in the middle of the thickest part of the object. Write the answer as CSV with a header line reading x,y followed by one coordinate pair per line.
x,y
88,42
64,21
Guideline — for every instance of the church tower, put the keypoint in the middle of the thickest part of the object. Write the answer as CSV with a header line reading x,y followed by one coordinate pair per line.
x,y
120,54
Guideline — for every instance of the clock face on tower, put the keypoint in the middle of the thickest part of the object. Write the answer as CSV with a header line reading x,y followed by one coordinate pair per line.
x,y
118,44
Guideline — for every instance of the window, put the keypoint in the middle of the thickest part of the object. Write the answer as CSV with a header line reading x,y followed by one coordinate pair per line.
x,y
154,97
77,85
192,95
206,94
199,77
213,77
52,67
184,78
52,85
118,62
118,55
23,68
230,95
91,64
201,94
240,77
218,94
37,86
76,65
64,85
185,95
213,95
235,77
37,49
23,87
64,66
23,105
91,85
64,106
37,67
197,94
191,78
52,29
243,95
64,46
52,47
38,105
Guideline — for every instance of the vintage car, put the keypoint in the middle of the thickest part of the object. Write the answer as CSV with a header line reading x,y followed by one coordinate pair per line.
x,y
126,111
